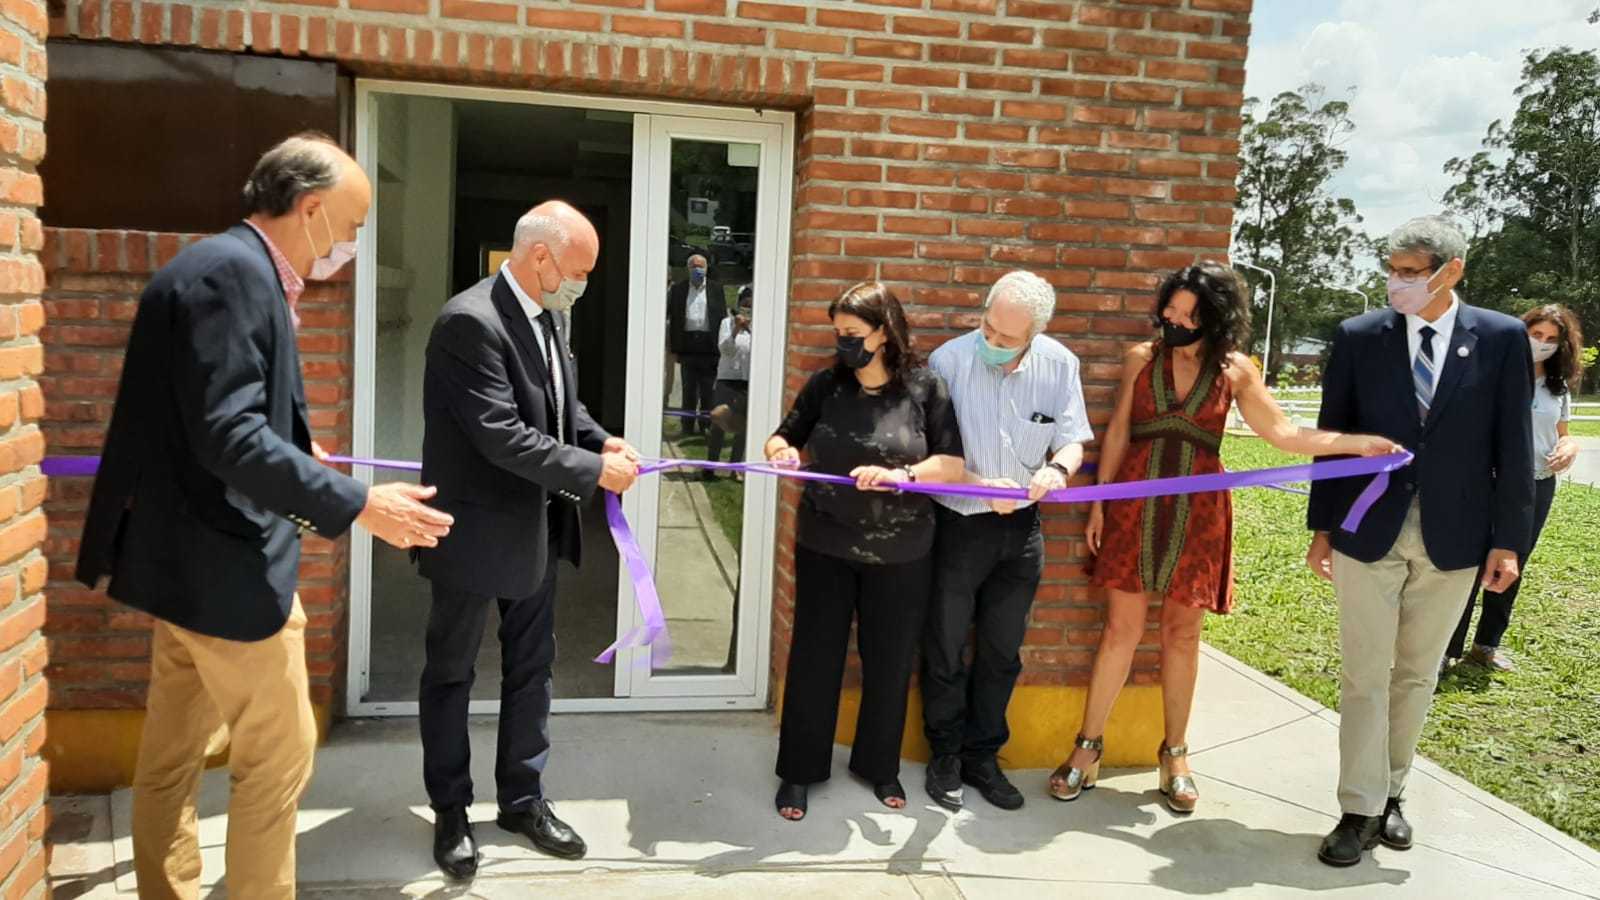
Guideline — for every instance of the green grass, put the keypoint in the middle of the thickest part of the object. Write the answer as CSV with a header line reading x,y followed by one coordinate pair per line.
x,y
1532,737
726,494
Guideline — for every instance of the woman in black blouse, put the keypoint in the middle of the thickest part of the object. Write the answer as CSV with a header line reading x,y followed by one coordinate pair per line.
x,y
879,416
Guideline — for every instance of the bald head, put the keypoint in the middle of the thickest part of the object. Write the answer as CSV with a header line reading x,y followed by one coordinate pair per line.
x,y
553,241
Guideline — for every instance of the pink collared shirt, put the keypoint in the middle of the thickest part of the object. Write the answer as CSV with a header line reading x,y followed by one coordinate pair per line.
x,y
293,284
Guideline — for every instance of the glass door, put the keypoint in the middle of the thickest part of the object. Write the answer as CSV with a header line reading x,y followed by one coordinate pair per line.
x,y
711,349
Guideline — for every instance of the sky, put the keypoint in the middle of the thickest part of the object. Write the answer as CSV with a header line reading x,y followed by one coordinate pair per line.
x,y
1424,79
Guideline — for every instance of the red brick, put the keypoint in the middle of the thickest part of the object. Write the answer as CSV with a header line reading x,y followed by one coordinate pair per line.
x,y
935,128
559,20
920,26
849,71
1167,70
1206,50
1006,34
1112,18
479,10
1027,109
729,34
1241,6
811,43
1076,39
1032,159
859,21
923,225
963,53
415,7
888,49
640,26
965,106
978,131
771,12
1072,87
1036,59
925,77
891,199
1083,137
1057,10
1093,64
996,82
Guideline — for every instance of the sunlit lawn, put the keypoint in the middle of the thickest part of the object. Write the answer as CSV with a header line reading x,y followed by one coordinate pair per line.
x,y
1529,737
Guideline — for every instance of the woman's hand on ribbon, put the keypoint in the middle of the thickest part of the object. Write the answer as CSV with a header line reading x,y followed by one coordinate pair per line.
x,y
1095,527
1367,445
876,478
784,455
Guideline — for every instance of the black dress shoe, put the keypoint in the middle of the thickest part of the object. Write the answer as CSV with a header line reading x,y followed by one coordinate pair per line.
x,y
454,848
985,775
944,781
540,825
1353,836
1396,830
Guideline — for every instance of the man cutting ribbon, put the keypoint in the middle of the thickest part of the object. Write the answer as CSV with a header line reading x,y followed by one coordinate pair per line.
x,y
513,452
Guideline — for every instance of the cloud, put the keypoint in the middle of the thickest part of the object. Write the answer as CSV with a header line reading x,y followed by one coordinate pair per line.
x,y
1424,80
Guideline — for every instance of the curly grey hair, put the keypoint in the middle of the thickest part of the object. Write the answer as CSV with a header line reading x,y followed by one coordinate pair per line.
x,y
1030,292
1436,236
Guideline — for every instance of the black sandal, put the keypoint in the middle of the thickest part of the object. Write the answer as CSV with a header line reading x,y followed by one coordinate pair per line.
x,y
893,789
790,796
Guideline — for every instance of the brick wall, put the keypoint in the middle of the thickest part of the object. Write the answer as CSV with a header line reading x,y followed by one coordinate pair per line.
x,y
941,143
23,773
99,650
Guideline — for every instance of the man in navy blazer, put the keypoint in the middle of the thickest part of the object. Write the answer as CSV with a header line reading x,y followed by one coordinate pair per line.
x,y
1453,383
513,453
207,481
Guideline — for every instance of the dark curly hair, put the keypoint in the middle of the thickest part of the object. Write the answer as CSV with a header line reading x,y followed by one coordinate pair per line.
x,y
873,303
1562,371
1222,309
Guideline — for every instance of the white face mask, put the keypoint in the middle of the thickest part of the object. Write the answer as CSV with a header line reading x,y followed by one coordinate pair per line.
x,y
1542,350
563,297
339,252
1410,296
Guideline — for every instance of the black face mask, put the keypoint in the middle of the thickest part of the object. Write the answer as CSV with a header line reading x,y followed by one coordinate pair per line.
x,y
1174,335
853,352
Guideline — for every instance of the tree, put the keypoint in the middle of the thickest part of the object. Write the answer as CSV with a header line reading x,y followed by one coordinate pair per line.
x,y
1288,221
1533,193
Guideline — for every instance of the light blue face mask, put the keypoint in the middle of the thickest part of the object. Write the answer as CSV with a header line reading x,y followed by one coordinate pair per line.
x,y
995,356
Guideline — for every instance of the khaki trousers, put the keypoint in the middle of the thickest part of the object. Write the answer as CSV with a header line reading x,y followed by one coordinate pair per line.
x,y
1395,617
207,693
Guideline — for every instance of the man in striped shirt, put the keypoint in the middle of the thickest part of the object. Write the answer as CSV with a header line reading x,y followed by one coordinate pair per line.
x,y
1019,404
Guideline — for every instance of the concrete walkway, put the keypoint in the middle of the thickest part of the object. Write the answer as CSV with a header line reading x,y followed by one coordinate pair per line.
x,y
679,805
1586,468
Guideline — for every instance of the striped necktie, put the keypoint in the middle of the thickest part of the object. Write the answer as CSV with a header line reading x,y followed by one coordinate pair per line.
x,y
1422,372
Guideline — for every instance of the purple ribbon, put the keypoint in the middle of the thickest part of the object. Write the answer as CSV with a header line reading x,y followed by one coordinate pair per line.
x,y
653,631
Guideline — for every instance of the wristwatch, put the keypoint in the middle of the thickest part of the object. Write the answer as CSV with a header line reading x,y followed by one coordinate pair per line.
x,y
1065,472
911,475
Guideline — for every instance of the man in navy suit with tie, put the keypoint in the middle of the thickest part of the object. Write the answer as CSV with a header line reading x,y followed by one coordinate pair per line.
x,y
513,453
1453,383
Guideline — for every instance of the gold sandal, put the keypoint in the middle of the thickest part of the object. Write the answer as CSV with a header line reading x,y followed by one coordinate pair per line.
x,y
1180,791
1075,781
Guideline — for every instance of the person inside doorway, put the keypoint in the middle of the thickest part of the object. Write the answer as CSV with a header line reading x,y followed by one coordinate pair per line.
x,y
733,382
696,307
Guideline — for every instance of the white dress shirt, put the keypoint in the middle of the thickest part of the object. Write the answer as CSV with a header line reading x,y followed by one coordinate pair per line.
x,y
1443,327
694,315
534,310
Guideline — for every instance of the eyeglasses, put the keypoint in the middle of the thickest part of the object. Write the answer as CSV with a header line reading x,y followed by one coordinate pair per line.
x,y
1410,273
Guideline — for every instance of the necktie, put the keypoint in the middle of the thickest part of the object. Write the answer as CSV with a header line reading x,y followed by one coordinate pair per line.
x,y
551,362
1422,370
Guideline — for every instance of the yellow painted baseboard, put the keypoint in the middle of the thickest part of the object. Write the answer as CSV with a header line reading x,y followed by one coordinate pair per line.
x,y
92,751
1044,720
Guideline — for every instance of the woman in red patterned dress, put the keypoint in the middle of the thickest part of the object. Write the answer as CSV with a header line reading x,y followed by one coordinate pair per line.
x,y
1176,551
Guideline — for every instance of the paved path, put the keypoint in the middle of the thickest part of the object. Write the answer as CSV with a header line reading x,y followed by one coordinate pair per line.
x,y
1586,469
679,805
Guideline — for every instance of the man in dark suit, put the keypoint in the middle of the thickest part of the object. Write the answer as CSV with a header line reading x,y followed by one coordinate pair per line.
x,y
695,310
1453,383
207,481
513,452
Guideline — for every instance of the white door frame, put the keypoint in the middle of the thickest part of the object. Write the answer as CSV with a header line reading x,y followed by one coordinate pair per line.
x,y
636,689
